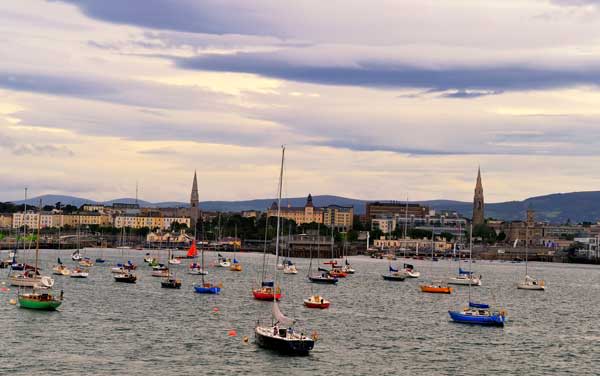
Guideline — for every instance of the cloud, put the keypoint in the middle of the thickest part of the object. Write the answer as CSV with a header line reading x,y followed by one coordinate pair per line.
x,y
465,81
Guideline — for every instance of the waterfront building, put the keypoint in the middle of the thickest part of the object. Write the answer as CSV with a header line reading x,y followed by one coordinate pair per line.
x,y
385,225
6,220
449,222
478,203
250,213
141,221
441,245
339,217
383,209
300,215
93,208
168,237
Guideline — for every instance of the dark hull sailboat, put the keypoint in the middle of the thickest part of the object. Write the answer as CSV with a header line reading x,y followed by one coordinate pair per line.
x,y
125,278
328,280
284,342
171,283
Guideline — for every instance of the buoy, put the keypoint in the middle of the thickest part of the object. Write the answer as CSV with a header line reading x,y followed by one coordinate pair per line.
x,y
232,333
245,339
4,289
314,335
13,301
215,309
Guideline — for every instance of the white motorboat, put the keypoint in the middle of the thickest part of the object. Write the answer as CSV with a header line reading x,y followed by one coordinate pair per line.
x,y
29,279
530,283
79,273
164,273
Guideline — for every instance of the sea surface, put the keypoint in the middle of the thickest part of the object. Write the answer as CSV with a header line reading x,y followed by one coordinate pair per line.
x,y
373,327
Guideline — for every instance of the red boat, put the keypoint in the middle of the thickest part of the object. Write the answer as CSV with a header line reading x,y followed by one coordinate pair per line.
x,y
267,291
316,301
332,263
337,273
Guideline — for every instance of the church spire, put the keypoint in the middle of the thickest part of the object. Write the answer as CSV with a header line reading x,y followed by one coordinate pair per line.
x,y
194,200
478,203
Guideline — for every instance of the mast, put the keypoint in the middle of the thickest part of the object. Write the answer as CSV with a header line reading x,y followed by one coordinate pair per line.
x,y
405,225
526,246
24,219
265,247
37,241
470,261
278,216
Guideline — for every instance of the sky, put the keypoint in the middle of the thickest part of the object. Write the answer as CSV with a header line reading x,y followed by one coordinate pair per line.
x,y
374,100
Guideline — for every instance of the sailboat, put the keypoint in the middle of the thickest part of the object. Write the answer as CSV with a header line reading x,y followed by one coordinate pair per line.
x,y
335,271
323,277
267,290
478,313
124,272
236,266
394,274
83,261
465,277
60,268
435,287
79,273
195,268
280,336
205,287
346,268
40,297
100,259
530,283
160,270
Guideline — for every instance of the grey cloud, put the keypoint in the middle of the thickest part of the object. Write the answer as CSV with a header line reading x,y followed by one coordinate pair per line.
x,y
468,94
390,75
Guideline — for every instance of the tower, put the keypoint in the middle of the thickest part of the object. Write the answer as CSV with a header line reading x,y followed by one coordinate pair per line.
x,y
478,204
194,209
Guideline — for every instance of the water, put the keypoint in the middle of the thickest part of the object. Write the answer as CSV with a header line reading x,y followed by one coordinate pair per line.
x,y
372,327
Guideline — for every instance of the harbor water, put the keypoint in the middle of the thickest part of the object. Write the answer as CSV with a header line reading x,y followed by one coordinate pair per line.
x,y
373,327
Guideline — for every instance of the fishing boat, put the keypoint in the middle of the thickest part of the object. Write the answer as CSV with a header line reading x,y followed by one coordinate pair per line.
x,y
125,277
79,273
435,287
530,283
410,271
280,335
479,314
316,301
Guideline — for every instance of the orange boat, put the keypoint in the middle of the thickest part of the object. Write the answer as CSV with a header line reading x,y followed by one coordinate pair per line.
x,y
337,273
436,289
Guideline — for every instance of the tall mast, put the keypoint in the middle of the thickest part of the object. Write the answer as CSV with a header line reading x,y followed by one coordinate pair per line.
x,y
24,220
37,241
526,246
470,261
279,214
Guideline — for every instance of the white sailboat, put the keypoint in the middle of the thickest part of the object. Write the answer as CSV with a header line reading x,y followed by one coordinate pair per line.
x,y
530,283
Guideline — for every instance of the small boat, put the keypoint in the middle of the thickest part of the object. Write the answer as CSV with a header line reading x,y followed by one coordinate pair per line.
x,y
17,266
153,262
394,275
164,273
464,280
76,256
410,271
86,262
267,291
173,260
235,266
40,299
207,288
118,270
148,259
316,301
323,278
125,277
60,269
436,288
290,269
196,269
79,273
479,314
30,278
171,283
100,260
530,283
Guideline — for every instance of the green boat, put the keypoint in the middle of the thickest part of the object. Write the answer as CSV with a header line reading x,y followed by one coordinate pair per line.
x,y
43,301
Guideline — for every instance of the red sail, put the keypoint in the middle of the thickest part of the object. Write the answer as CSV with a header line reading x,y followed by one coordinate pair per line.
x,y
193,252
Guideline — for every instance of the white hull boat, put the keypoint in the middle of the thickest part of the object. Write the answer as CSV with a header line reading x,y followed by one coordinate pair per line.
x,y
464,281
531,284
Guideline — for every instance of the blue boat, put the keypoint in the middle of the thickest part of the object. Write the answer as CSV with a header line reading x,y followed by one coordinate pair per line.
x,y
479,314
207,288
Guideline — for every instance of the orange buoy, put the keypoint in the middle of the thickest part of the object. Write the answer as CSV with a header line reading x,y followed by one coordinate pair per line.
x,y
245,339
232,333
13,301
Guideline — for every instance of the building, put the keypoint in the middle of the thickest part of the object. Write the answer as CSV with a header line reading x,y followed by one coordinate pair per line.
x,y
32,219
52,219
385,225
194,202
250,213
141,221
300,215
6,220
444,222
339,217
478,203
93,208
441,245
383,209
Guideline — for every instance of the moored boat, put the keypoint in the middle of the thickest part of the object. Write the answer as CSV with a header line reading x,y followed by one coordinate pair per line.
x,y
40,299
436,288
267,291
479,314
316,301
79,273
530,283
171,283
207,288
125,277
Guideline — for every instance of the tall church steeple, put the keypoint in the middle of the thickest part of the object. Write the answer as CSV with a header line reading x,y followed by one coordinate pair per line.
x,y
478,203
194,200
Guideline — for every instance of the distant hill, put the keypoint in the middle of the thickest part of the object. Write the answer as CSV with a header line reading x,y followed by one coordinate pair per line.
x,y
555,208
